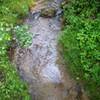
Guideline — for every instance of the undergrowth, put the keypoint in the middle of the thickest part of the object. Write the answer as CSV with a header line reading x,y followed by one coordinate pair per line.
x,y
11,14
13,11
80,41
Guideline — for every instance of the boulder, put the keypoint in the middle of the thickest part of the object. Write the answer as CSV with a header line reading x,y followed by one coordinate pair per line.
x,y
48,12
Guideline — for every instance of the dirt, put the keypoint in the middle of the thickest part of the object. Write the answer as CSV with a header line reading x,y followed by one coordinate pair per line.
x,y
40,65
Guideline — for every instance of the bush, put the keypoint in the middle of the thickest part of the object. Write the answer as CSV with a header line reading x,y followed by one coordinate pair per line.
x,y
10,84
12,11
81,42
11,87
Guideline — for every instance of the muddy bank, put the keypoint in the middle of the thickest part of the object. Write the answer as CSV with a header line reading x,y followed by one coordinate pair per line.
x,y
40,65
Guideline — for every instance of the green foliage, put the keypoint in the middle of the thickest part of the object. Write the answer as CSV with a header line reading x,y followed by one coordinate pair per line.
x,y
4,38
23,37
11,87
12,10
81,42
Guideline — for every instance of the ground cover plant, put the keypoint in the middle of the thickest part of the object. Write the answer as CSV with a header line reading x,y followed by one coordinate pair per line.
x,y
11,14
80,41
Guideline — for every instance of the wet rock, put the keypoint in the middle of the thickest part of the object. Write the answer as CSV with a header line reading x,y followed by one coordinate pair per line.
x,y
36,15
48,12
59,12
79,91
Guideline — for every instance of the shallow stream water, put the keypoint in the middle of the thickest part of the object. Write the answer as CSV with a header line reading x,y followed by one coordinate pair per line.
x,y
40,65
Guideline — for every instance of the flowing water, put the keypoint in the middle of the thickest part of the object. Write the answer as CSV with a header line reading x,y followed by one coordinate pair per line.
x,y
40,65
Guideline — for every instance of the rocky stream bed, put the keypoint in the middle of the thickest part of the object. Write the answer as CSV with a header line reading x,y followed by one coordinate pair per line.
x,y
41,65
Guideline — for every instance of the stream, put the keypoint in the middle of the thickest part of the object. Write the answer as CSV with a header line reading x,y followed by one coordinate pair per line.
x,y
40,65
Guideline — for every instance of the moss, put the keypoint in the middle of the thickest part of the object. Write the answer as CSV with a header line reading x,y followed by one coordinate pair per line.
x,y
48,12
80,42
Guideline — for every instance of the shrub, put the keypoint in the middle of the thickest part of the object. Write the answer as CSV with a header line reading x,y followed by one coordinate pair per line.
x,y
81,42
12,11
11,87
10,84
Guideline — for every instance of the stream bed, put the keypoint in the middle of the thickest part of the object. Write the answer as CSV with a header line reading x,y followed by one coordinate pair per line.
x,y
40,65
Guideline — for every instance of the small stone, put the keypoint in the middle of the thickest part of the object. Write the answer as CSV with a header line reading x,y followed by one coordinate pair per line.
x,y
77,78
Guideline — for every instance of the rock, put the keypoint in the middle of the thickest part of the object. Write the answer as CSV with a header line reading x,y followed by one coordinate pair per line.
x,y
36,15
59,12
48,12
